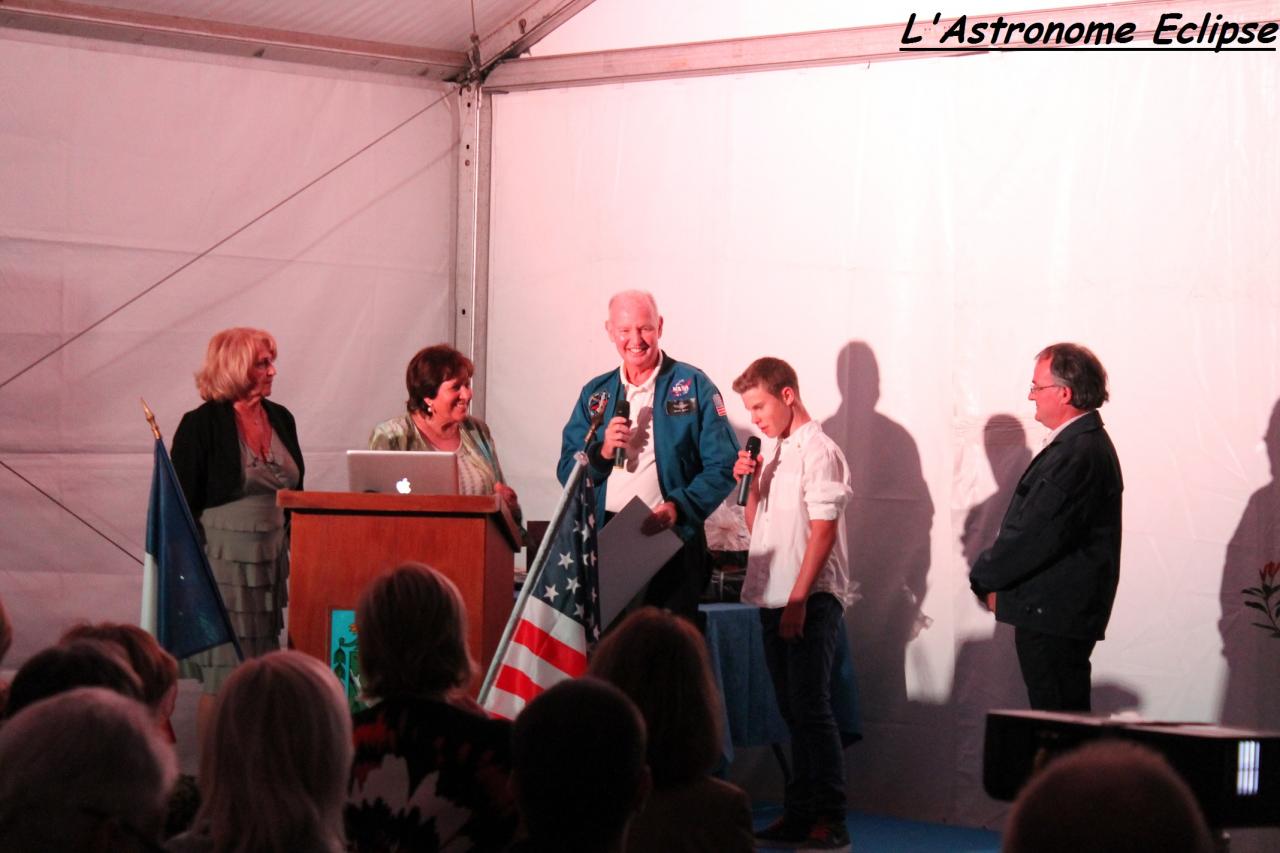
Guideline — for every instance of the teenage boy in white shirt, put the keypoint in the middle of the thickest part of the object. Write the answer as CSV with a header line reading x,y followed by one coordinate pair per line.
x,y
798,575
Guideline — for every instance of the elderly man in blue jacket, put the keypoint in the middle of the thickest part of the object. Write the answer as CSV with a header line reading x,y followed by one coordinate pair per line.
x,y
678,448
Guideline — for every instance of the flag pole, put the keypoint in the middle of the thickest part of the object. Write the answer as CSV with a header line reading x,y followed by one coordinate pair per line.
x,y
151,418
535,572
151,593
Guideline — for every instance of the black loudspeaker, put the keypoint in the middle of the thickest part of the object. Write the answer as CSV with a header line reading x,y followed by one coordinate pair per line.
x,y
1232,772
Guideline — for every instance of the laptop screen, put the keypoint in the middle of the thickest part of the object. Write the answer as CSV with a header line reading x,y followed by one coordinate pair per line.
x,y
406,472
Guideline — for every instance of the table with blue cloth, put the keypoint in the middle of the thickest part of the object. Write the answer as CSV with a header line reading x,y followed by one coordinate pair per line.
x,y
751,716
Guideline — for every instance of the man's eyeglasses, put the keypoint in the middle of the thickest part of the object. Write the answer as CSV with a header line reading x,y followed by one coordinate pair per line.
x,y
1036,389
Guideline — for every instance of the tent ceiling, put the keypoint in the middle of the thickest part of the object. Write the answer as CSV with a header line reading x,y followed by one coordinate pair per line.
x,y
428,38
439,24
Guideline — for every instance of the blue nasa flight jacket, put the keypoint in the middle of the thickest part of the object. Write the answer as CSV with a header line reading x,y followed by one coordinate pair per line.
x,y
695,445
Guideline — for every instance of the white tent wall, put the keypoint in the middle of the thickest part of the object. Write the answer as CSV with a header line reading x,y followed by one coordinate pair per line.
x,y
119,165
909,235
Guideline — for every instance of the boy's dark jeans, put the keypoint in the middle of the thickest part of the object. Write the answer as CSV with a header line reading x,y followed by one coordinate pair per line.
x,y
801,671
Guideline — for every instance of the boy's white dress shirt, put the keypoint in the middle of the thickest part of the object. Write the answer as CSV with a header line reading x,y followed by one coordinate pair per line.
x,y
803,476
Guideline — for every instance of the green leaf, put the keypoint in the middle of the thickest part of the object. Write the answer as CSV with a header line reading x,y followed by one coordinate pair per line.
x,y
1256,606
1253,590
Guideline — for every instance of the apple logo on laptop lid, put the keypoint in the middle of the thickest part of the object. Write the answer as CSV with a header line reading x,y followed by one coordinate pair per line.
x,y
402,486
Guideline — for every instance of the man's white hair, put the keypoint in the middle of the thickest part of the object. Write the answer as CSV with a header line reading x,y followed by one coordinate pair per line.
x,y
637,295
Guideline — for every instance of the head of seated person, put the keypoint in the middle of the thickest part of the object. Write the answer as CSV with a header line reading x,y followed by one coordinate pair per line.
x,y
413,635
81,663
660,662
85,769
585,737
275,761
156,669
431,768
1110,796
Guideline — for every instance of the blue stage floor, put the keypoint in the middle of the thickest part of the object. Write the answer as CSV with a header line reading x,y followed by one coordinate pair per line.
x,y
871,834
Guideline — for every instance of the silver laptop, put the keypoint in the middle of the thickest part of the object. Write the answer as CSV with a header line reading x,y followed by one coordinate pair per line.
x,y
407,472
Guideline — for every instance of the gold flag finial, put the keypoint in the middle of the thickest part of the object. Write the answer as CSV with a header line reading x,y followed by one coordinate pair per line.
x,y
151,419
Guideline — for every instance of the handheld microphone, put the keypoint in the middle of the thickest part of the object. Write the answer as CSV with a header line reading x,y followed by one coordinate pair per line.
x,y
744,485
622,410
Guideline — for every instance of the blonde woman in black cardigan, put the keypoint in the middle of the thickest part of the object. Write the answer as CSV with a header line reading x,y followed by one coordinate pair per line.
x,y
232,455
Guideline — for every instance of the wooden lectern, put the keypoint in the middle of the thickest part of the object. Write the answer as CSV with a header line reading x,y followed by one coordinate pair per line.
x,y
342,540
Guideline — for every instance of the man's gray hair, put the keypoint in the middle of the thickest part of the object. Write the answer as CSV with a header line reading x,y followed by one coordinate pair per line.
x,y
1077,368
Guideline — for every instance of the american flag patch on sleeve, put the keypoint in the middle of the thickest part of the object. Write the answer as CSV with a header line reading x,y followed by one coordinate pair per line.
x,y
719,401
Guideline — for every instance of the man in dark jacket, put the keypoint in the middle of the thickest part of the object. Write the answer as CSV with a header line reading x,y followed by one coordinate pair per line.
x,y
1053,570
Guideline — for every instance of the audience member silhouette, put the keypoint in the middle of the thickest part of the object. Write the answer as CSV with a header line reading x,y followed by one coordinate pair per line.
x,y
85,769
660,662
578,768
157,670
431,771
274,761
1109,796
81,663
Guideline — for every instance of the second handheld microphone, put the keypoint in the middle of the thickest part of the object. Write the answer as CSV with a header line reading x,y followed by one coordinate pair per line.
x,y
622,410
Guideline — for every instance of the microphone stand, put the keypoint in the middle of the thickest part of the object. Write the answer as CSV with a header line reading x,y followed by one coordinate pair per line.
x,y
596,420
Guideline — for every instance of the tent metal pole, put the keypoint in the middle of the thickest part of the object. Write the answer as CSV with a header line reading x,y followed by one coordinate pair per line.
x,y
471,265
521,32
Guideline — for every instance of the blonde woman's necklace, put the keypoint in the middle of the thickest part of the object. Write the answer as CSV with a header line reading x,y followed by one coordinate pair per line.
x,y
255,429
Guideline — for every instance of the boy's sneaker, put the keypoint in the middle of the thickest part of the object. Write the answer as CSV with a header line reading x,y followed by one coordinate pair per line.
x,y
826,835
783,832
804,835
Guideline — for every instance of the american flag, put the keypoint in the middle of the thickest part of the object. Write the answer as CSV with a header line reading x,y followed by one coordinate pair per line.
x,y
561,616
